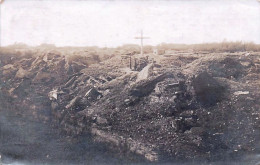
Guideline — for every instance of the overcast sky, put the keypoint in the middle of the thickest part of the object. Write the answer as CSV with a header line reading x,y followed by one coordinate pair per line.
x,y
113,23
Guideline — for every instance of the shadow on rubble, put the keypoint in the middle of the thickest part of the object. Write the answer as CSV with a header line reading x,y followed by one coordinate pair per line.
x,y
26,141
208,90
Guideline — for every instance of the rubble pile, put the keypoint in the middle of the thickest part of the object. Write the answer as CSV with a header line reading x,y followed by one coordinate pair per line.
x,y
207,109
27,79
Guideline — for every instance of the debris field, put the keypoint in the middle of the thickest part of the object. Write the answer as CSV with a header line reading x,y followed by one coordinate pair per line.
x,y
179,106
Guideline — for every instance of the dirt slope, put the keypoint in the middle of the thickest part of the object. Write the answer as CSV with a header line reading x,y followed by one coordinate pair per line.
x,y
197,107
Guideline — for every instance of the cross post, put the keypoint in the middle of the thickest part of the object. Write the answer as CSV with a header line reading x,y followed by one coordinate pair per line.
x,y
141,38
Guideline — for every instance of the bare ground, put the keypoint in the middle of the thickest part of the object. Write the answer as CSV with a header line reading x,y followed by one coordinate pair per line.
x,y
184,106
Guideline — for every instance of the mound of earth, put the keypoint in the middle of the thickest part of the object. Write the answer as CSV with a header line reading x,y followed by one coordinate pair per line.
x,y
175,108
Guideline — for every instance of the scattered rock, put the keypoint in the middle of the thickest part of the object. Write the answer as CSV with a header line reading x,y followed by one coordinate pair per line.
x,y
42,77
241,93
53,95
168,114
101,121
9,71
54,106
197,130
21,73
73,102
93,94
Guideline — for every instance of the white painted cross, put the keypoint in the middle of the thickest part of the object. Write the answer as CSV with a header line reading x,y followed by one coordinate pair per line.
x,y
141,38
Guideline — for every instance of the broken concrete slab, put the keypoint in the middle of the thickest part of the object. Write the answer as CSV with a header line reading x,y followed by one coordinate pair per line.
x,y
144,73
145,88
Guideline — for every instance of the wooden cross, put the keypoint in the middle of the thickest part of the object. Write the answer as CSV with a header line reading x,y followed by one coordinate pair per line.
x,y
141,38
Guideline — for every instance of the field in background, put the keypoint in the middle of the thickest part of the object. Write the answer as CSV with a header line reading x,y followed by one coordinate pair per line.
x,y
94,50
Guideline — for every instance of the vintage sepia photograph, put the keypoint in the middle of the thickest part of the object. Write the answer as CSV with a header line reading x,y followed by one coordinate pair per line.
x,y
130,82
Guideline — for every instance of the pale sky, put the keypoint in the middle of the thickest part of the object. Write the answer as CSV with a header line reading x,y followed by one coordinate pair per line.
x,y
114,23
